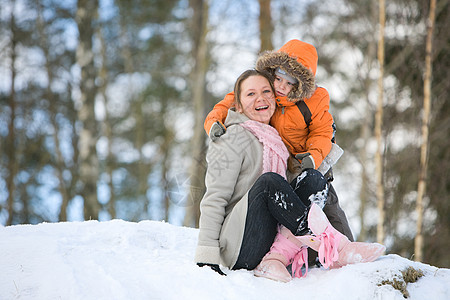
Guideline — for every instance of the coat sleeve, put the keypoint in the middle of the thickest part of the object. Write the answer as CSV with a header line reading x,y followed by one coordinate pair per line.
x,y
224,166
318,142
219,112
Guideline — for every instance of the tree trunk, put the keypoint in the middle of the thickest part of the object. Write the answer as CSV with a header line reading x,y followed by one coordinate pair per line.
x,y
11,139
378,125
106,126
265,25
75,159
165,164
85,17
363,195
418,241
60,166
197,169
142,168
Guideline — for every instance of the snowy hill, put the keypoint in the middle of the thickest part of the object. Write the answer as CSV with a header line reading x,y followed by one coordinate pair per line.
x,y
154,260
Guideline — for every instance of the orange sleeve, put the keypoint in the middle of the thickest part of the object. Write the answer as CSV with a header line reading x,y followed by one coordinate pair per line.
x,y
318,142
219,112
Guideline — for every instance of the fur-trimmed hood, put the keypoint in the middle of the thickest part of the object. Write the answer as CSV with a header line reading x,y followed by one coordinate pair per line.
x,y
297,58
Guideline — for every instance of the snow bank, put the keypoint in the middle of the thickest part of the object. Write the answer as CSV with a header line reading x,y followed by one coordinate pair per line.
x,y
154,260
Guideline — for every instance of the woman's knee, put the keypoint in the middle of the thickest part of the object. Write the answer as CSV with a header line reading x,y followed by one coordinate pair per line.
x,y
262,185
267,184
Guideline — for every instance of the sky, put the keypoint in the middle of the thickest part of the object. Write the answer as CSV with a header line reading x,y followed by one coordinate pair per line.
x,y
154,260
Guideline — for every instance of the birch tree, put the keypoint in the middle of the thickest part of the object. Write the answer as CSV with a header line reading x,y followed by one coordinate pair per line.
x,y
106,125
89,166
378,126
418,242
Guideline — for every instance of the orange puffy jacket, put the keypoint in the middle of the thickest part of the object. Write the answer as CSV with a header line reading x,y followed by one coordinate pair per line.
x,y
299,59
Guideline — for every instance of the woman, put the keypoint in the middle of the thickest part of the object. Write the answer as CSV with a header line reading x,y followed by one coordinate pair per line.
x,y
248,196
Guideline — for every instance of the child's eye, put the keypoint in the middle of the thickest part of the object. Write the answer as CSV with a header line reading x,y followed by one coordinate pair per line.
x,y
290,83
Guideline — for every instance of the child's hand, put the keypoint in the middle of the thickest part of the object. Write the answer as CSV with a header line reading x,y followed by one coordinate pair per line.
x,y
307,160
217,129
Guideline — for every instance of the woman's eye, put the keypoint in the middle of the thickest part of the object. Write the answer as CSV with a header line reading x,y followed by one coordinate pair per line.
x,y
250,94
267,91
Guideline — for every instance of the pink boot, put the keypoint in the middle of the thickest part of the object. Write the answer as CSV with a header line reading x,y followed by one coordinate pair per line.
x,y
285,249
335,249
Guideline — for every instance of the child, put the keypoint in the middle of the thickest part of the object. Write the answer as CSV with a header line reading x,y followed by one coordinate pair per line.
x,y
301,118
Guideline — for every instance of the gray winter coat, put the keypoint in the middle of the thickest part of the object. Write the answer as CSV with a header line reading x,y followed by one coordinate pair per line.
x,y
234,164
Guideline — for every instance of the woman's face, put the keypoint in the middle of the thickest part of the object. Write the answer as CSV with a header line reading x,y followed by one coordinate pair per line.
x,y
257,99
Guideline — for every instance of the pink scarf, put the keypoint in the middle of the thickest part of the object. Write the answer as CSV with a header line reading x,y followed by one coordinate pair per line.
x,y
275,154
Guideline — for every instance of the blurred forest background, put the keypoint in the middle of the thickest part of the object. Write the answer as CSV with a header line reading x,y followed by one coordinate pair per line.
x,y
102,104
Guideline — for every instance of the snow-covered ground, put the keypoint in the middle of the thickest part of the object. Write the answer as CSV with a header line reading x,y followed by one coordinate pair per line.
x,y
154,260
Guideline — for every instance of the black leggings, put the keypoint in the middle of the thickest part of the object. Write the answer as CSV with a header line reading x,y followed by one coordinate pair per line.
x,y
272,201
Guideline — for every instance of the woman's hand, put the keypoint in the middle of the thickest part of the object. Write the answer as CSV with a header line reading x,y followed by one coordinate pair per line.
x,y
214,267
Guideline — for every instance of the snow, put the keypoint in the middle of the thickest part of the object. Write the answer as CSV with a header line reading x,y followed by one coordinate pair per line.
x,y
154,260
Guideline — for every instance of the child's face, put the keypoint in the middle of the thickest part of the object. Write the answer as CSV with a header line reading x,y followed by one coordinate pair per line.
x,y
282,86
257,99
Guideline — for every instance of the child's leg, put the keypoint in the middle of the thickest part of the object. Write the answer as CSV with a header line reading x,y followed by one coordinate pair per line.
x,y
311,182
336,215
337,218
